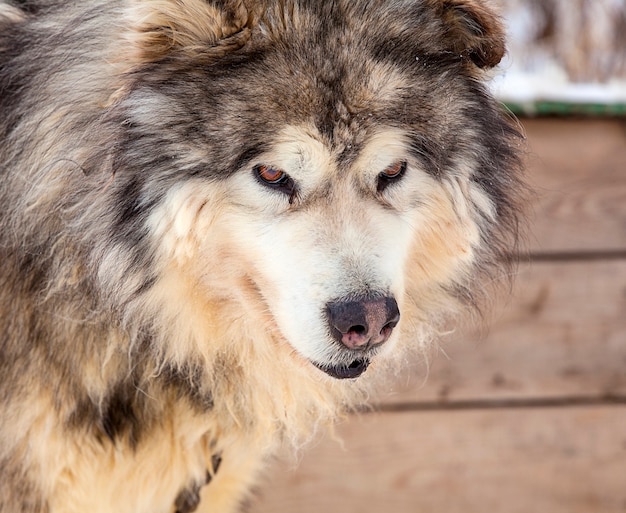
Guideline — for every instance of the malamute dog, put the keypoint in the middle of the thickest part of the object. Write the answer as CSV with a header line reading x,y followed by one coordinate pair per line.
x,y
223,223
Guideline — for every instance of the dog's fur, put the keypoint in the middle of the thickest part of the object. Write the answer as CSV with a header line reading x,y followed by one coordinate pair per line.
x,y
162,307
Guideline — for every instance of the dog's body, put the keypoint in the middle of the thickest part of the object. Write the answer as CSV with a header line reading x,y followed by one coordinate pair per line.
x,y
214,211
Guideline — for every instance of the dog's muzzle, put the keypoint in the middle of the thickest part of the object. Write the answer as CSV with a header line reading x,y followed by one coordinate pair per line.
x,y
361,326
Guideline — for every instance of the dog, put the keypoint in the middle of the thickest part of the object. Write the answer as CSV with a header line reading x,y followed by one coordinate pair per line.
x,y
225,224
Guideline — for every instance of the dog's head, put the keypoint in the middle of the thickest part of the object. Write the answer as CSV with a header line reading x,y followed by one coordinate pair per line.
x,y
334,171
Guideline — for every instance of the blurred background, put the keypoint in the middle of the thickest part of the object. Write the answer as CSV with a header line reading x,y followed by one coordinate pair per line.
x,y
531,415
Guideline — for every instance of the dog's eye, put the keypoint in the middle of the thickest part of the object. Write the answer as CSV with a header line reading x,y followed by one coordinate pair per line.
x,y
276,179
270,175
391,174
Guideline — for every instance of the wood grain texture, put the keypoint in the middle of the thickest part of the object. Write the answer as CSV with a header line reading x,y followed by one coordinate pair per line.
x,y
565,460
563,334
577,169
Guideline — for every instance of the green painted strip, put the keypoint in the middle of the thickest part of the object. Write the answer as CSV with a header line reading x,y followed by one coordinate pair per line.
x,y
542,108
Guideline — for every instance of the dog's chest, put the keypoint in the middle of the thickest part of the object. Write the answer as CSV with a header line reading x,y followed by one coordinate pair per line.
x,y
164,473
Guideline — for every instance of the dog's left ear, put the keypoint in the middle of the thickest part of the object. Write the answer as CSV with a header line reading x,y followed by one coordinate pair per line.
x,y
473,30
159,28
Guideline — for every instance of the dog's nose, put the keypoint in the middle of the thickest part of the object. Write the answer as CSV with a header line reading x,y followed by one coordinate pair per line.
x,y
363,323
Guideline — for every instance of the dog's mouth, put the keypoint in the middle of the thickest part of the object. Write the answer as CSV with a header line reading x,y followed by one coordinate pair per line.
x,y
350,371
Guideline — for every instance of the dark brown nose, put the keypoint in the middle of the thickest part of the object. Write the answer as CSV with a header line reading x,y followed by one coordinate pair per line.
x,y
361,324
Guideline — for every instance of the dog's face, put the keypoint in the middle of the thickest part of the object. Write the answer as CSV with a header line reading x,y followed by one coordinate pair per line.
x,y
334,167
327,241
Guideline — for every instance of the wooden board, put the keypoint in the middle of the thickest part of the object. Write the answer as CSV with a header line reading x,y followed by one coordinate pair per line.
x,y
563,334
578,171
566,460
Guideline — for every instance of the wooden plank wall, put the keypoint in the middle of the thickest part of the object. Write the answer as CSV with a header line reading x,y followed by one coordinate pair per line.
x,y
530,417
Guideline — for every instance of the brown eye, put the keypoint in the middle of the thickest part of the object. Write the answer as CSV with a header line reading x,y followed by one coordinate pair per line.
x,y
270,175
277,179
395,169
391,174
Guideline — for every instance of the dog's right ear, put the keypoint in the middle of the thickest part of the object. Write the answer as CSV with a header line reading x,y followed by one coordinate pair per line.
x,y
472,29
159,28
